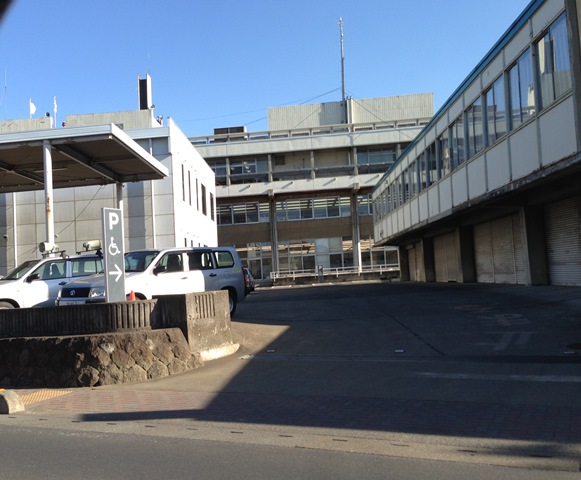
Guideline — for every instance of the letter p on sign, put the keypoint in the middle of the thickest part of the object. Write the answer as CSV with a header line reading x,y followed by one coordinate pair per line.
x,y
113,220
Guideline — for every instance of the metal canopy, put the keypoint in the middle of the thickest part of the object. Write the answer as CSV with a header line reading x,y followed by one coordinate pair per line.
x,y
81,156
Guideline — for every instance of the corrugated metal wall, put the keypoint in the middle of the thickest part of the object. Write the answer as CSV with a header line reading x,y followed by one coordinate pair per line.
x,y
563,236
389,109
306,116
368,110
498,251
445,258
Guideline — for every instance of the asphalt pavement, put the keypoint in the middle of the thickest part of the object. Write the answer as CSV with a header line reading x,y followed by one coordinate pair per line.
x,y
476,373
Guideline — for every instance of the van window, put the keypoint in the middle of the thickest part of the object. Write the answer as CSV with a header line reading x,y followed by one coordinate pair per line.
x,y
224,259
86,266
199,260
172,262
51,270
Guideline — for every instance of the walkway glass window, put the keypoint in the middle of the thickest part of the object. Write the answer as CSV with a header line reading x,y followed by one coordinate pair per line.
x,y
553,62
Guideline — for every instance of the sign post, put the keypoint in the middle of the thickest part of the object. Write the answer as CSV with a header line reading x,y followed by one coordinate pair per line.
x,y
114,255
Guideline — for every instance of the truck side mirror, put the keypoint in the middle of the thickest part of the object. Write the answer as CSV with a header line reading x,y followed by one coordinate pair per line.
x,y
159,269
32,278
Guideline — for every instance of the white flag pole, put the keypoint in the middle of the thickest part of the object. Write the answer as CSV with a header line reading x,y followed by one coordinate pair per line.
x,y
54,109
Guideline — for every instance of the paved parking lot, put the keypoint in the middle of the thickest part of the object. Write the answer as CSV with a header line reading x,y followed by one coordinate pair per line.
x,y
445,363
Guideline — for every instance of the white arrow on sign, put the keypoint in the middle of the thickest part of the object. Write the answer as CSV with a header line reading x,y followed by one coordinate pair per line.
x,y
119,272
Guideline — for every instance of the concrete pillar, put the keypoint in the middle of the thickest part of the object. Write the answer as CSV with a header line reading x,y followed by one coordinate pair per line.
x,y
429,266
404,264
269,167
532,222
467,260
49,205
356,232
273,230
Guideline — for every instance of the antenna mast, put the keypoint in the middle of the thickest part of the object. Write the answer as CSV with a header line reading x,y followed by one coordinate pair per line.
x,y
343,96
342,61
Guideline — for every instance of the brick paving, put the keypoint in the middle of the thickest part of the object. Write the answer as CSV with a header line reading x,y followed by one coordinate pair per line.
x,y
424,417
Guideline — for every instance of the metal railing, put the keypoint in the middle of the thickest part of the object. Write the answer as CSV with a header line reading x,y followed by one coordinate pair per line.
x,y
307,132
334,271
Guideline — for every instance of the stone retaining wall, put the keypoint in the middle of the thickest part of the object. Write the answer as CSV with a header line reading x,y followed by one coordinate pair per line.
x,y
94,360
103,344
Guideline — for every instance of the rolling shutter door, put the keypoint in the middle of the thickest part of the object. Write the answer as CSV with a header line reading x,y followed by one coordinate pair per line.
x,y
563,236
445,256
498,251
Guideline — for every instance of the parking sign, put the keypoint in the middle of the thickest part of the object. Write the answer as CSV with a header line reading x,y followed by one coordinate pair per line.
x,y
114,255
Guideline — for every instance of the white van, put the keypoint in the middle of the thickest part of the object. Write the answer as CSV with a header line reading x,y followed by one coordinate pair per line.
x,y
36,283
169,271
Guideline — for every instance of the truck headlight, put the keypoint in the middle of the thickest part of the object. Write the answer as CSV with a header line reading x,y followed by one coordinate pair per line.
x,y
97,292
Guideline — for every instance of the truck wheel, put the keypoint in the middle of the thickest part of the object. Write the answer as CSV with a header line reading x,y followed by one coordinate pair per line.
x,y
232,302
6,306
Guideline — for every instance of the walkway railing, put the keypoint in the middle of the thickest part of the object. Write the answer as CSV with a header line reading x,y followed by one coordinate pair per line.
x,y
334,272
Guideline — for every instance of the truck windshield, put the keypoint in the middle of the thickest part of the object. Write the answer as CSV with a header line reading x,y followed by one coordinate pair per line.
x,y
21,270
139,261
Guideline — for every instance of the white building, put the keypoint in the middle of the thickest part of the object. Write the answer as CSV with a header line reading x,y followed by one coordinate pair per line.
x,y
489,190
178,210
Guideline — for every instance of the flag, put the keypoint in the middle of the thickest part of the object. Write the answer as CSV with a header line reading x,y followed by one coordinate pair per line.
x,y
32,107
54,106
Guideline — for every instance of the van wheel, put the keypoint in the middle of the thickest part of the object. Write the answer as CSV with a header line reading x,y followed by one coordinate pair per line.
x,y
232,302
6,306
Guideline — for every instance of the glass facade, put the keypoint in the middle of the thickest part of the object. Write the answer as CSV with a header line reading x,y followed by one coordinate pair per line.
x,y
292,210
308,255
543,67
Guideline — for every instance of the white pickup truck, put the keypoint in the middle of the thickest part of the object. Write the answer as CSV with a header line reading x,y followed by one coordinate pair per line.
x,y
170,271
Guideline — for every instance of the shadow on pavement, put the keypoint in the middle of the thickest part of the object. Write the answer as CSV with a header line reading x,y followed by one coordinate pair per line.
x,y
350,357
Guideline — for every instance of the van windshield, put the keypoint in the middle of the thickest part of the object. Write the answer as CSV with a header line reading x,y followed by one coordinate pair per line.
x,y
139,261
21,270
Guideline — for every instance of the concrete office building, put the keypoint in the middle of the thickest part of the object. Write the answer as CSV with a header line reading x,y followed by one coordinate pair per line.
x,y
296,197
178,210
489,191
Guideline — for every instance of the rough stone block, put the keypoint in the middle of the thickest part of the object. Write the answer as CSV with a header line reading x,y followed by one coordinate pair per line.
x,y
10,402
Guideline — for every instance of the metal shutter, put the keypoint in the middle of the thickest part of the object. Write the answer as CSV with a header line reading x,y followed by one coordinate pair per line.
x,y
445,256
498,251
563,232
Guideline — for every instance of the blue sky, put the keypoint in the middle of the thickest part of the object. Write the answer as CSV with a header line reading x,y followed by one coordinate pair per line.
x,y
217,64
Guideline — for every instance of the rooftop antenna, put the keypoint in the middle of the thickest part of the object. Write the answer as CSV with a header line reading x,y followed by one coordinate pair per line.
x,y
343,96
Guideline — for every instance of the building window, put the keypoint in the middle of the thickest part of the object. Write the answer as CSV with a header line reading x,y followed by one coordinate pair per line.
x,y
432,164
306,209
444,154
554,64
364,204
475,128
204,200
243,213
522,90
190,187
183,184
250,170
458,151
495,111
220,168
225,215
212,207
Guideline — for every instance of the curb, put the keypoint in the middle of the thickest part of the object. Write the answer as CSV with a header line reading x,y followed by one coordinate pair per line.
x,y
10,402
